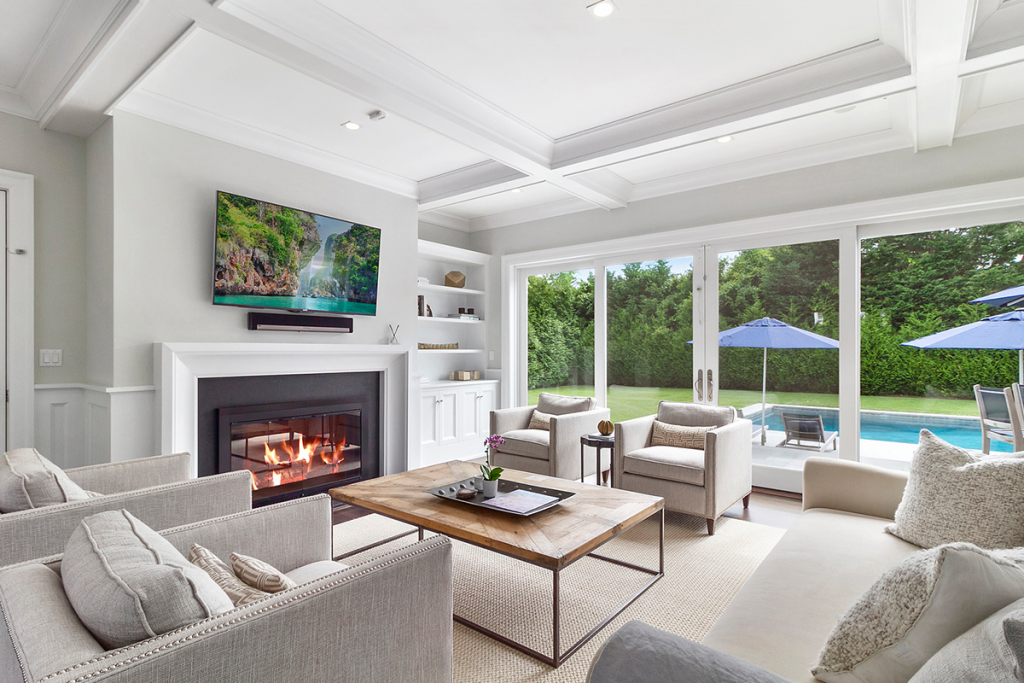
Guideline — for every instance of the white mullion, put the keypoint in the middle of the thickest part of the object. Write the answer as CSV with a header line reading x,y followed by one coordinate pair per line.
x,y
601,333
849,344
709,256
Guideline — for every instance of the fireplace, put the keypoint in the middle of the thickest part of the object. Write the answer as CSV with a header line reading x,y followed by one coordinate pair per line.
x,y
296,435
294,449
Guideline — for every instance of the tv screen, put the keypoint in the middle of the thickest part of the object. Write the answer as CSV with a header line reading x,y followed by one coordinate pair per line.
x,y
271,256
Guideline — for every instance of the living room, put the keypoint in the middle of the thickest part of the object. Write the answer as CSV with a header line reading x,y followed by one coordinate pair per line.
x,y
736,219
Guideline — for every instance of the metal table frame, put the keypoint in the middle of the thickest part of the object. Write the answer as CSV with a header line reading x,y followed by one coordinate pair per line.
x,y
557,657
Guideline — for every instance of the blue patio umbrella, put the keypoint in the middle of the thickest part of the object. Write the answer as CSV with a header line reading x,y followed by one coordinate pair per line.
x,y
769,333
998,332
1013,296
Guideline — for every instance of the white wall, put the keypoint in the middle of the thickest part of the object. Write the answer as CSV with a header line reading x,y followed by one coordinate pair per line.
x,y
165,180
976,159
58,163
443,235
99,250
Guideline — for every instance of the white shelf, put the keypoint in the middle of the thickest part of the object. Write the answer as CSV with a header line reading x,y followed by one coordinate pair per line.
x,y
441,289
443,383
451,350
442,319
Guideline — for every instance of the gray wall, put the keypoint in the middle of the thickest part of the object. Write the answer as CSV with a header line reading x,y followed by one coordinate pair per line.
x,y
443,235
972,160
165,180
99,182
58,163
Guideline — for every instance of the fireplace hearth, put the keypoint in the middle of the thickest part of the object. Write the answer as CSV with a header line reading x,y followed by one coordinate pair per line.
x,y
296,435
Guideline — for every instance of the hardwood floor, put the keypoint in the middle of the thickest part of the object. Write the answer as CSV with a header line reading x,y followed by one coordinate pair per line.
x,y
768,507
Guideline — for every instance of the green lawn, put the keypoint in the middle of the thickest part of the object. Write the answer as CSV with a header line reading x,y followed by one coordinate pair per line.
x,y
629,402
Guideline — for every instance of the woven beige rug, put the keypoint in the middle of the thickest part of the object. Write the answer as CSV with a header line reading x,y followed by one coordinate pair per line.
x,y
702,574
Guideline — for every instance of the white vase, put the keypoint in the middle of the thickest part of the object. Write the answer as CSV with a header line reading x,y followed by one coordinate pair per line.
x,y
490,488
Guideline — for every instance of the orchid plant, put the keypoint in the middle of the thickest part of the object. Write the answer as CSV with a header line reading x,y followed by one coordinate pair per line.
x,y
494,440
491,473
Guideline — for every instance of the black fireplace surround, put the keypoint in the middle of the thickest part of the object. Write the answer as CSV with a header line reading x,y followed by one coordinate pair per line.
x,y
347,406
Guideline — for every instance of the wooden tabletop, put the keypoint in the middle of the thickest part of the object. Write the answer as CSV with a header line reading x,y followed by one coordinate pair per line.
x,y
553,538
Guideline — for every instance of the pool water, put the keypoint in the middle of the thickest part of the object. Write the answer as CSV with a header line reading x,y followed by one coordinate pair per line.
x,y
964,432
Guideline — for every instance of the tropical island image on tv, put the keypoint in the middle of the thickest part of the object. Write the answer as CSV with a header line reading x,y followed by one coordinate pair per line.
x,y
271,256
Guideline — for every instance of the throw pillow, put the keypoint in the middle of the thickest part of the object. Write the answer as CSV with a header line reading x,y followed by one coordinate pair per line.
x,y
127,583
1013,630
954,496
553,404
982,655
28,481
241,593
680,436
540,420
259,574
916,608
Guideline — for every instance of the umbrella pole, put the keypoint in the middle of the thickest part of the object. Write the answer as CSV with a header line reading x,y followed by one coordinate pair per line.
x,y
764,390
1020,366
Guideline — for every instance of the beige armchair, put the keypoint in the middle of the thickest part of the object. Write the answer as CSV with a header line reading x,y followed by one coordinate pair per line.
x,y
555,451
692,481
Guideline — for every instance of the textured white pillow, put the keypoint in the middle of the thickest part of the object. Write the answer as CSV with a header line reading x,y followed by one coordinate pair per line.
x,y
127,583
913,610
954,496
29,481
982,655
539,420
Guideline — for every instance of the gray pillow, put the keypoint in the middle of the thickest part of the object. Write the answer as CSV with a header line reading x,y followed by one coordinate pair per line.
x,y
982,655
127,583
28,481
953,496
639,653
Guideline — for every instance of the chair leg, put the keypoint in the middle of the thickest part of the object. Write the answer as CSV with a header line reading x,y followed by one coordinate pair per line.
x,y
746,501
711,527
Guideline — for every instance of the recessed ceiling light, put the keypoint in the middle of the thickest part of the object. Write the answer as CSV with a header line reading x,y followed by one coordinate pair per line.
x,y
725,138
843,110
602,8
351,125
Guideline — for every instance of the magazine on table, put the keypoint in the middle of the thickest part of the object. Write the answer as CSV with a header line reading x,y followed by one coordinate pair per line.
x,y
519,501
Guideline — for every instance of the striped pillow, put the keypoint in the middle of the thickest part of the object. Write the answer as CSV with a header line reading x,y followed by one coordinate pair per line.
x,y
239,592
259,574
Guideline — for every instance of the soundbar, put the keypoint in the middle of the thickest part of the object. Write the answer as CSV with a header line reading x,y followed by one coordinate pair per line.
x,y
298,323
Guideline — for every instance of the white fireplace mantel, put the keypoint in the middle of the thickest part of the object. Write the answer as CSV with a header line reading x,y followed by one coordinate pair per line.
x,y
180,366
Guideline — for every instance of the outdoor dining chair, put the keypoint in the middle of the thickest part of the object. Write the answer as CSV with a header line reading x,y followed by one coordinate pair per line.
x,y
994,411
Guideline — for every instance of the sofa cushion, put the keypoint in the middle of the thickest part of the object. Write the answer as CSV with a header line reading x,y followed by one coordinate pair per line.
x,y
982,655
913,610
240,592
639,653
28,481
315,570
553,404
127,583
954,496
259,574
680,436
782,615
695,415
531,443
539,420
684,465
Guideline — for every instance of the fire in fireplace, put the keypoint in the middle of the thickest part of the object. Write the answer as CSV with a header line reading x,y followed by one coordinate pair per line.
x,y
294,449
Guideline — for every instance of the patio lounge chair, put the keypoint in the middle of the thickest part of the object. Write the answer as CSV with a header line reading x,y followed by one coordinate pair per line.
x,y
1013,401
994,411
807,431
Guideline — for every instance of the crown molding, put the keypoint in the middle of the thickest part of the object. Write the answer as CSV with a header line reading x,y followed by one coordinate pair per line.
x,y
13,103
445,220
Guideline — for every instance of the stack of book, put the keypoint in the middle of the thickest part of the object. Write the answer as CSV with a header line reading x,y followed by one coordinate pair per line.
x,y
463,316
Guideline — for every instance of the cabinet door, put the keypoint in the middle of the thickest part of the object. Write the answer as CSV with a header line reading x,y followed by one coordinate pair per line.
x,y
430,424
486,401
449,415
471,425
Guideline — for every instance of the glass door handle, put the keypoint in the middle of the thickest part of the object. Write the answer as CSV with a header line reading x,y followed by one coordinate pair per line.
x,y
698,386
711,386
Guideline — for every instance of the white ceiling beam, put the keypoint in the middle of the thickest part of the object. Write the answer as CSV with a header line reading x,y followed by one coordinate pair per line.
x,y
471,182
942,31
992,61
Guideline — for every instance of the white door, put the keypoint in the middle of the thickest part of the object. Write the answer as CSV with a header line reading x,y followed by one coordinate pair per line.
x,y
470,418
430,424
449,415
486,401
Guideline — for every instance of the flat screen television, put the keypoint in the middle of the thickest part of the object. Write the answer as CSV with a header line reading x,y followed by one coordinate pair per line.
x,y
272,256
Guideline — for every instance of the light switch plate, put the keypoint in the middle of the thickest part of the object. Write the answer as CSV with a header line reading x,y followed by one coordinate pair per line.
x,y
51,358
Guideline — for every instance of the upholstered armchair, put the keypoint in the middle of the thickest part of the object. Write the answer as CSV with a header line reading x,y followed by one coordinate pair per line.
x,y
554,451
703,481
389,619
157,490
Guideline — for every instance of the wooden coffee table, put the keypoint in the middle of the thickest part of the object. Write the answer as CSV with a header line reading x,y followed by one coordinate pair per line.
x,y
552,539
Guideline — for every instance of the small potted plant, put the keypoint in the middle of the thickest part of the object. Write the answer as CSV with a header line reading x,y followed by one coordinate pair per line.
x,y
491,477
491,442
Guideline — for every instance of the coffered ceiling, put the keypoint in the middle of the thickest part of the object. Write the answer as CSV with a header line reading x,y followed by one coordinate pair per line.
x,y
484,98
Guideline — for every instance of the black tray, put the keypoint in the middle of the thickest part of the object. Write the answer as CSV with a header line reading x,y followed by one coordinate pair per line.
x,y
505,487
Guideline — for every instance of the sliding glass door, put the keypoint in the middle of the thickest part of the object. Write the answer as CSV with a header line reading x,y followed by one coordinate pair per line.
x,y
560,333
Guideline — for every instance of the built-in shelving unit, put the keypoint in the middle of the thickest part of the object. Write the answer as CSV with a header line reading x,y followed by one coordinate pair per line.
x,y
454,416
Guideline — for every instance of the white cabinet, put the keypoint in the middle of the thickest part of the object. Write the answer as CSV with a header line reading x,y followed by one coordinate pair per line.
x,y
454,420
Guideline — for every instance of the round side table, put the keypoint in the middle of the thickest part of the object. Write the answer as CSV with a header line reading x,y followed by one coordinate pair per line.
x,y
599,442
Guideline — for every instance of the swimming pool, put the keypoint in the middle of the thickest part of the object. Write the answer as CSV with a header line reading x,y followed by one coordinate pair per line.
x,y
964,432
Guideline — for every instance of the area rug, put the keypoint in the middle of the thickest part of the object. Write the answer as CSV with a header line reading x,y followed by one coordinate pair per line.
x,y
702,574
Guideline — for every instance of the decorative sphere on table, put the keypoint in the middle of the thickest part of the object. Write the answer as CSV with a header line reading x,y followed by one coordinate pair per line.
x,y
605,427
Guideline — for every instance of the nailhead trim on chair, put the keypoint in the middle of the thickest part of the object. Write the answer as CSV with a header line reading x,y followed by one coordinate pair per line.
x,y
250,611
